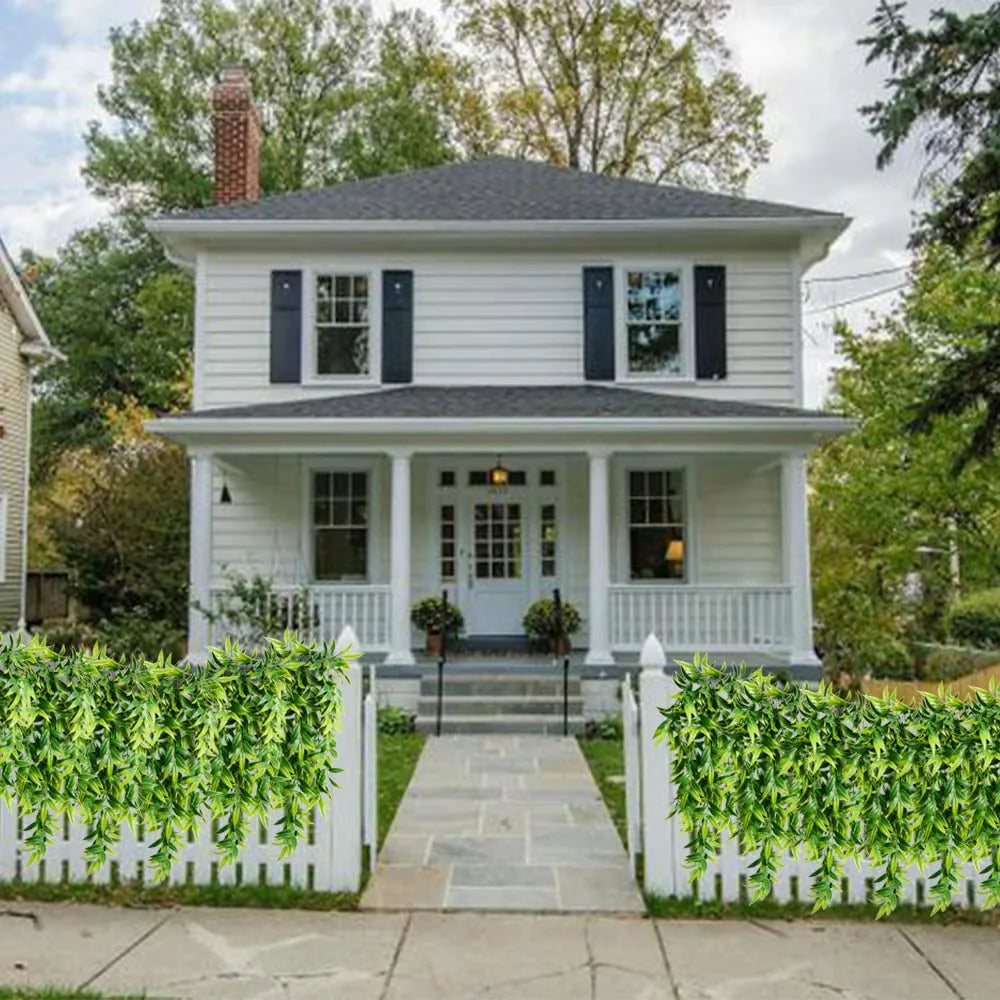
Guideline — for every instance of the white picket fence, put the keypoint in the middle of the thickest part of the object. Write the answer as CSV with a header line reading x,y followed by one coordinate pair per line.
x,y
329,858
663,843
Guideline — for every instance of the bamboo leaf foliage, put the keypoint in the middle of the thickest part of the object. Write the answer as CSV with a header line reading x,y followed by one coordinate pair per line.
x,y
790,768
108,741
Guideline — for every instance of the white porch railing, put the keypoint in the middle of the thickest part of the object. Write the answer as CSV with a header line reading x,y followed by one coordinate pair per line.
x,y
316,612
702,618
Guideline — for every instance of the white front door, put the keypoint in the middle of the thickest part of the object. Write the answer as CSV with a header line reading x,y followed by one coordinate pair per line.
x,y
497,589
498,548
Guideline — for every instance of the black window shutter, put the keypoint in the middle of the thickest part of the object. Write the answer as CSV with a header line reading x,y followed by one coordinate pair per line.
x,y
397,326
710,322
598,324
286,326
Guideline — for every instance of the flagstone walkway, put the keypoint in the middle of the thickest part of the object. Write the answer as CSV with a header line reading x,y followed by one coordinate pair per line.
x,y
503,823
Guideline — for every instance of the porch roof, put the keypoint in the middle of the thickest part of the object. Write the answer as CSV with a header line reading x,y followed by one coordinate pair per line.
x,y
474,402
424,416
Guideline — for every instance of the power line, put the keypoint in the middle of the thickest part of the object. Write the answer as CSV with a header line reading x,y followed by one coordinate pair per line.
x,y
857,299
855,277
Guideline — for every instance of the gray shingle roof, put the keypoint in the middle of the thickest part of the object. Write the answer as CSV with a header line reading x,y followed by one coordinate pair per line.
x,y
486,401
500,189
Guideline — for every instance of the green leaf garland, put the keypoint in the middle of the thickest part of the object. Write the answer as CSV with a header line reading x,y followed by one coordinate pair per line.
x,y
154,743
786,767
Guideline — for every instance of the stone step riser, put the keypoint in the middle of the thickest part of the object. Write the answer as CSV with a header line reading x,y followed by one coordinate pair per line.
x,y
501,687
501,724
487,706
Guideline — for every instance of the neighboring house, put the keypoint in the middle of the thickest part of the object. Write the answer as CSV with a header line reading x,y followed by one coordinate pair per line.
x,y
23,347
368,356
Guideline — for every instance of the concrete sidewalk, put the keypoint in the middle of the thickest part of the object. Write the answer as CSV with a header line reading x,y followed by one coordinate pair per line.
x,y
209,954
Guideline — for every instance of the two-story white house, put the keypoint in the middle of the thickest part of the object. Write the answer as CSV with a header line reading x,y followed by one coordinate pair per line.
x,y
370,356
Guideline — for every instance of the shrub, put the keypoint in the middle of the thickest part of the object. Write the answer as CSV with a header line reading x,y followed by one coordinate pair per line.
x,y
607,728
395,721
974,620
429,615
785,768
889,657
68,633
250,609
117,740
945,664
540,623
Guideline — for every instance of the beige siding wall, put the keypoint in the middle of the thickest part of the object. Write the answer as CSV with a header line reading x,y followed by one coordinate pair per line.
x,y
493,318
14,399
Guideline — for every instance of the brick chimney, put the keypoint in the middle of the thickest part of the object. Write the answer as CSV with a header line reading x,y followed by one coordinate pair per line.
x,y
236,125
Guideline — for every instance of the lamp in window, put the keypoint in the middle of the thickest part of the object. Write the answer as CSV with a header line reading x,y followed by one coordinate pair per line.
x,y
675,550
499,476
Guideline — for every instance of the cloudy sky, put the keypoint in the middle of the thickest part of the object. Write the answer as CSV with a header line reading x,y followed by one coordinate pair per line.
x,y
801,53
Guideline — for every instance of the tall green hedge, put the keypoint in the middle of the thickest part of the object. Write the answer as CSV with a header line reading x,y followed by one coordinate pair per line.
x,y
975,619
787,767
152,742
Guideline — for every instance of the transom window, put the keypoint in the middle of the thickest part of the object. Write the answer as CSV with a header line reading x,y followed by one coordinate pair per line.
x,y
481,477
657,525
653,322
342,324
340,525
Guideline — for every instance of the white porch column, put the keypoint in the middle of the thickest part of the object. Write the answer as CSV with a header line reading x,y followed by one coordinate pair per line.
x,y
795,527
202,489
400,652
599,653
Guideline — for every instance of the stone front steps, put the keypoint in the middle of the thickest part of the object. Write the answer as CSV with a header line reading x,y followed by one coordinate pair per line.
x,y
504,703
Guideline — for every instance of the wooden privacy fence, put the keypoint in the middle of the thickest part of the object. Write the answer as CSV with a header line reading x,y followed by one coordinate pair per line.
x,y
659,837
328,858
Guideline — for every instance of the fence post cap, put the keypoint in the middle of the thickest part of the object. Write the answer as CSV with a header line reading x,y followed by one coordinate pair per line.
x,y
652,656
347,640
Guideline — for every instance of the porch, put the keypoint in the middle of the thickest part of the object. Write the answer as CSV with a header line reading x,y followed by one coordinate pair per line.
x,y
705,549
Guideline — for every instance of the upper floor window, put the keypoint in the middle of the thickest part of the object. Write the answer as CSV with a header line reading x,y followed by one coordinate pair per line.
x,y
653,322
342,324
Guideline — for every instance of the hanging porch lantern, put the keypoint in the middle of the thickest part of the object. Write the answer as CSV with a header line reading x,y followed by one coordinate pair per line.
x,y
499,476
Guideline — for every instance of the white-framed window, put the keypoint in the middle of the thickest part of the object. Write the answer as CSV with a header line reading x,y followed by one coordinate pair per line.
x,y
657,541
339,521
655,326
341,337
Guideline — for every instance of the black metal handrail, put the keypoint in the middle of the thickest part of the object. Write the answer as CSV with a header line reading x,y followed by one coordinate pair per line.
x,y
562,646
442,656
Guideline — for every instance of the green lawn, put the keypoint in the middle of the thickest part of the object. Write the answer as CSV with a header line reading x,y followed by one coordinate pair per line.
x,y
398,756
607,764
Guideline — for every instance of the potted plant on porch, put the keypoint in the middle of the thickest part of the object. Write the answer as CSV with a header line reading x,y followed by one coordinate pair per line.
x,y
433,619
542,628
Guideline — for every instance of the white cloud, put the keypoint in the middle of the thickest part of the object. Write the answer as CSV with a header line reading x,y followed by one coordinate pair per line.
x,y
92,18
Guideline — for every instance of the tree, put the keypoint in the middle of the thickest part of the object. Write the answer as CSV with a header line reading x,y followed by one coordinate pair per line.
x,y
122,314
621,87
887,504
117,515
319,69
944,84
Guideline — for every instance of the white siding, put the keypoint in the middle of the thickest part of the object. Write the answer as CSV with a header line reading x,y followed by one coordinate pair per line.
x,y
492,318
735,522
